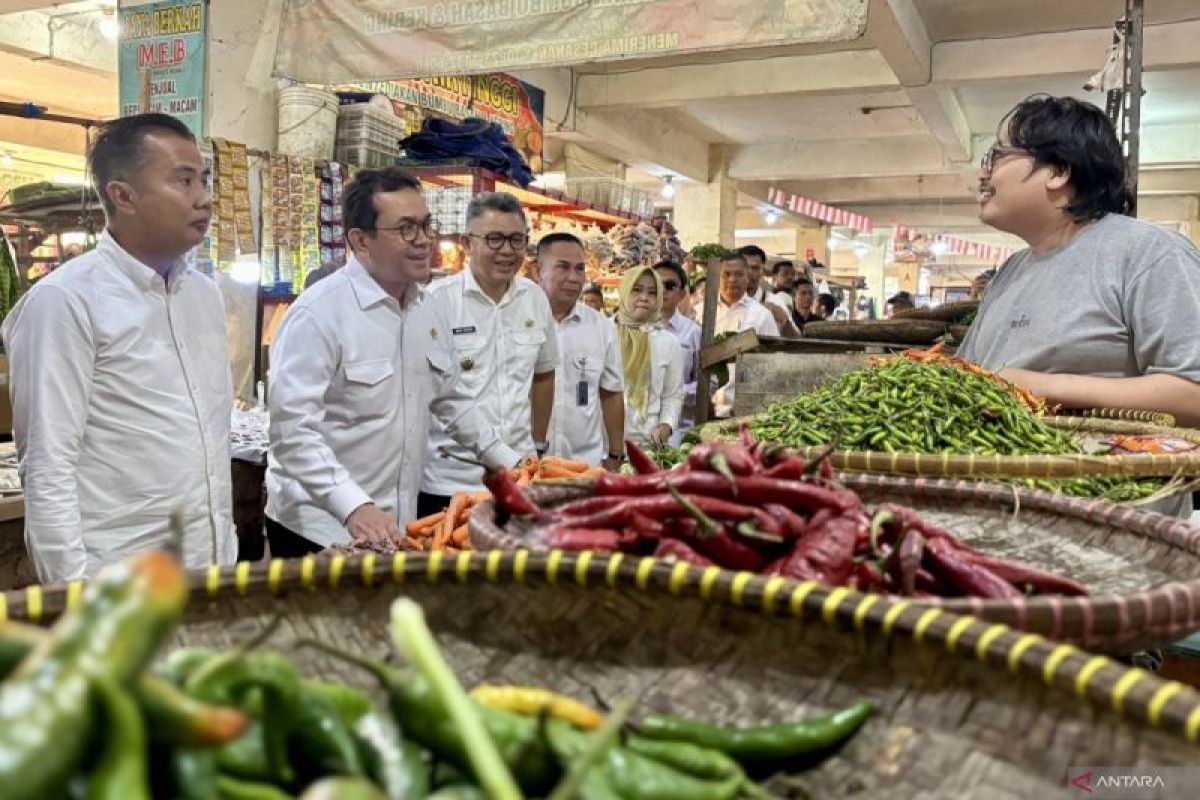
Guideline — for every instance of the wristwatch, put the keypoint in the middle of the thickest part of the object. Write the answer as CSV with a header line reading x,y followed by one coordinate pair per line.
x,y
617,457
541,448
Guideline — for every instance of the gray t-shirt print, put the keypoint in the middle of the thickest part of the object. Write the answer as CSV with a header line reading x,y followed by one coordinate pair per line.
x,y
1121,299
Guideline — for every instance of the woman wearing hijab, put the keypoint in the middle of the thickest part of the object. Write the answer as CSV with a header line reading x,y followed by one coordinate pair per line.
x,y
652,358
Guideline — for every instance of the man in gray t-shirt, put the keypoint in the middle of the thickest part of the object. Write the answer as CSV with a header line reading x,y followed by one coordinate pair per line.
x,y
1101,310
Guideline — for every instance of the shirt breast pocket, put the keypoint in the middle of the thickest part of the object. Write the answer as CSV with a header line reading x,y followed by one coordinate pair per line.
x,y
470,353
370,387
526,345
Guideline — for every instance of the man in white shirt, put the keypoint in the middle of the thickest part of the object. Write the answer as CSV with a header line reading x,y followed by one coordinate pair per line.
x,y
503,337
589,392
360,364
675,287
737,312
757,286
120,378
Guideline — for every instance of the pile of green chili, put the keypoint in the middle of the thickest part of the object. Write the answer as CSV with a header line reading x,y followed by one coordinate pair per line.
x,y
904,406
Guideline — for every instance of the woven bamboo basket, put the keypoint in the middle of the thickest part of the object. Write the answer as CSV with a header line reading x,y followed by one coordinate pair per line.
x,y
950,691
958,332
1087,431
947,312
893,331
1142,568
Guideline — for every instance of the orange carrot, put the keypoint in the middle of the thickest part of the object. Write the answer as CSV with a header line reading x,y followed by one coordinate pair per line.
x,y
442,536
552,471
565,464
417,525
460,536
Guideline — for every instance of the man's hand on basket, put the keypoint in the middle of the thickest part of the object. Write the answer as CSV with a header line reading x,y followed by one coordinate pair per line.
x,y
369,525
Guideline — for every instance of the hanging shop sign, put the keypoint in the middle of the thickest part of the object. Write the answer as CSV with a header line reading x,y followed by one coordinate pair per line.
x,y
334,41
517,107
161,66
832,215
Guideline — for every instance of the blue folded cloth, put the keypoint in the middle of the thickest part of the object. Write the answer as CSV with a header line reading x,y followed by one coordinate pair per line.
x,y
473,138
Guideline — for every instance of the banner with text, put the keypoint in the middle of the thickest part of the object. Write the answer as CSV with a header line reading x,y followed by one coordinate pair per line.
x,y
335,41
161,65
517,107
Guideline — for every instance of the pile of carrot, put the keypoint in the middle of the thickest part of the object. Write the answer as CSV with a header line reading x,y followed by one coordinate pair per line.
x,y
447,530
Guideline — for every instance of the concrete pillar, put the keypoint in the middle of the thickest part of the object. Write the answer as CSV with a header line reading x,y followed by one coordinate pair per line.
x,y
707,212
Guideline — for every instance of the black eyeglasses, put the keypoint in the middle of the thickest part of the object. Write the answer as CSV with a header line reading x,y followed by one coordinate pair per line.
x,y
997,152
496,241
670,286
409,229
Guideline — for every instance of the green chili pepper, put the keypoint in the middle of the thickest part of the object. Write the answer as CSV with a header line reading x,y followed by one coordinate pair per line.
x,y
343,788
46,713
765,743
122,772
419,715
193,774
234,789
351,704
639,778
691,759
321,739
395,762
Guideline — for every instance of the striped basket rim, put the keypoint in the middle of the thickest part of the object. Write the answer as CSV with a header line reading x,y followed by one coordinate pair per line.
x,y
1096,679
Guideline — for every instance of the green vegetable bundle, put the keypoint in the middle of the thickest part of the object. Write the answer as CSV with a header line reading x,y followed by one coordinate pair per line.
x,y
905,406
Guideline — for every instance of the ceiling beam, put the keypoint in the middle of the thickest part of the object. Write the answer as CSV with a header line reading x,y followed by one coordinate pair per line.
x,y
46,135
636,137
898,32
43,37
886,189
842,158
825,73
1167,46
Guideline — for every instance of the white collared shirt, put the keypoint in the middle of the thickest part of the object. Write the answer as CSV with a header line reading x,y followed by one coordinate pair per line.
x,y
499,347
121,396
589,360
688,334
355,380
665,401
746,314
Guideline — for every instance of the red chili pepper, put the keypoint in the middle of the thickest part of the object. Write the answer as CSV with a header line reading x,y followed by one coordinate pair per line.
x,y
579,508
793,524
972,579
913,520
644,526
869,576
681,552
509,497
1021,575
583,539
790,468
725,550
640,460
904,561
819,520
825,555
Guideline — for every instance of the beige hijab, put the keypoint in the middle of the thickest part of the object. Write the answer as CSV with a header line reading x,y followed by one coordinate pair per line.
x,y
634,339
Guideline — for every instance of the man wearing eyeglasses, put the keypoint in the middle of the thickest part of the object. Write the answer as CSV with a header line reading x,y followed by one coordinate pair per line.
x,y
502,332
1101,310
361,363
674,282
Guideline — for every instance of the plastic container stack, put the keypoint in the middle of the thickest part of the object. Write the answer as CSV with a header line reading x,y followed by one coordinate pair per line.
x,y
368,136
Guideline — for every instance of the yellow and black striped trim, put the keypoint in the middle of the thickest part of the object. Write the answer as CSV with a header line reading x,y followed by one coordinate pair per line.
x,y
1097,679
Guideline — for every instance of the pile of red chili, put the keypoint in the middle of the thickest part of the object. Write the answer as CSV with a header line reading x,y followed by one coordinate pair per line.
x,y
762,508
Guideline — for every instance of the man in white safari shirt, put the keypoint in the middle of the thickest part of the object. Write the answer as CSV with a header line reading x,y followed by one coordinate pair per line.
x,y
361,363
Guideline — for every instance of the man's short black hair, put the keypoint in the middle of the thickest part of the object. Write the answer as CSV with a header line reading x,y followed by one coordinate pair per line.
x,y
118,152
554,238
827,302
592,288
736,255
674,267
779,265
802,282
1066,133
753,250
358,201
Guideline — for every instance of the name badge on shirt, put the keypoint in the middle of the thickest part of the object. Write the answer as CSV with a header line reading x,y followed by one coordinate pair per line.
x,y
581,393
460,331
